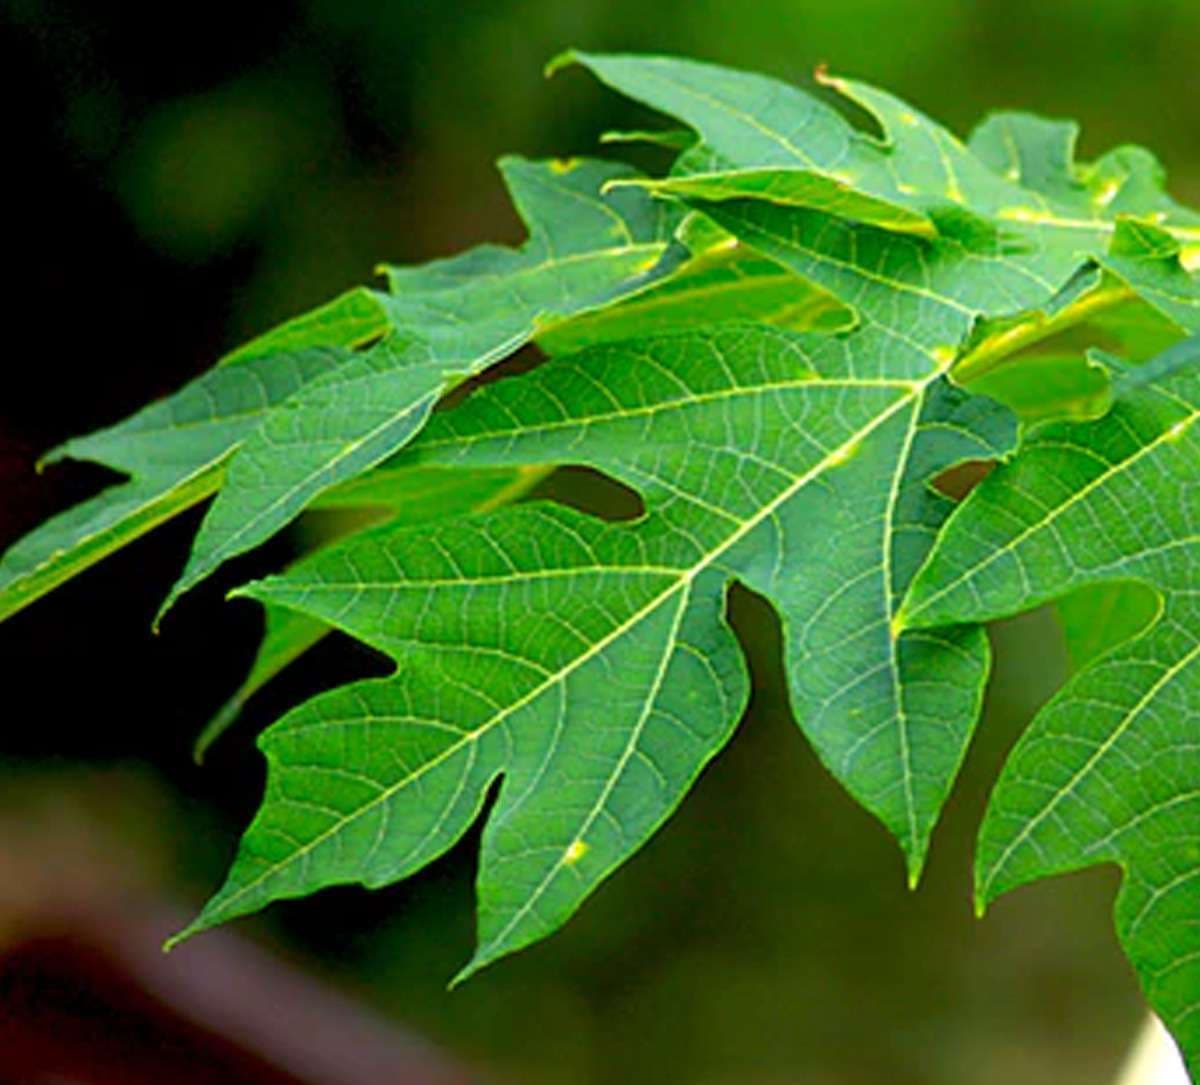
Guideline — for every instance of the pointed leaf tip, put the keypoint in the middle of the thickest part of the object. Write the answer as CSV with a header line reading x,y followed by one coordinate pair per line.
x,y
562,60
181,586
483,957
178,937
823,76
916,867
224,718
981,898
462,975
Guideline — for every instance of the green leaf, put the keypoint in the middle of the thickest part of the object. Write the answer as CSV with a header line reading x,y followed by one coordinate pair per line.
x,y
1014,196
418,495
1151,261
764,138
452,319
1151,254
400,494
1039,387
727,283
746,495
1016,295
580,671
756,453
1107,771
1039,155
351,320
174,453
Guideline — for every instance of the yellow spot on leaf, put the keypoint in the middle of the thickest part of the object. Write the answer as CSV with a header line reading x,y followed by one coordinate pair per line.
x,y
844,454
575,852
943,355
1021,214
563,165
646,264
1105,193
1176,432
909,119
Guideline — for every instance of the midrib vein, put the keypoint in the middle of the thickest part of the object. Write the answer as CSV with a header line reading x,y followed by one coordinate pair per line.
x,y
660,674
901,715
1169,434
465,441
686,577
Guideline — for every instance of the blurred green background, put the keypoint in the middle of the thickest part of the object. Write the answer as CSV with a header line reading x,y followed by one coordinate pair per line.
x,y
182,177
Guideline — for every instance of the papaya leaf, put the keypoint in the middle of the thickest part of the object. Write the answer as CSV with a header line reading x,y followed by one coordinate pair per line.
x,y
758,454
1098,617
174,453
1106,773
725,283
720,506
779,345
452,319
763,138
400,494
352,320
1040,387
1152,261
1013,194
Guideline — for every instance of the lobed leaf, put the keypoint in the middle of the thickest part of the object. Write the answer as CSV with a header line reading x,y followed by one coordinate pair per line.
x,y
763,138
756,452
727,437
396,494
1107,771
779,345
174,453
451,319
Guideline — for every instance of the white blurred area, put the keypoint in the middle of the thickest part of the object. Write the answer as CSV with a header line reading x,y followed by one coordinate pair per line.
x,y
1154,1059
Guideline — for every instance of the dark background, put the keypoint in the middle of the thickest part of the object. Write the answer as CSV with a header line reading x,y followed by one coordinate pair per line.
x,y
180,177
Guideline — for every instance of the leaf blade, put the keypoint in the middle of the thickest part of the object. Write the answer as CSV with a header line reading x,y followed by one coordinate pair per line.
x,y
1104,773
174,453
773,372
395,494
451,319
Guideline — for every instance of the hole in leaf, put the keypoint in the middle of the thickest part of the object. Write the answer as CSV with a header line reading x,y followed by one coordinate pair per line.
x,y
529,357
589,491
962,478
860,118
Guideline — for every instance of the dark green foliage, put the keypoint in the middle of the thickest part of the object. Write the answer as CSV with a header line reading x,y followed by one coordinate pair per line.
x,y
780,345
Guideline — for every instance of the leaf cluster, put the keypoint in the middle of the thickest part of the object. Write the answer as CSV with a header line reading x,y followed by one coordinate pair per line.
x,y
784,343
